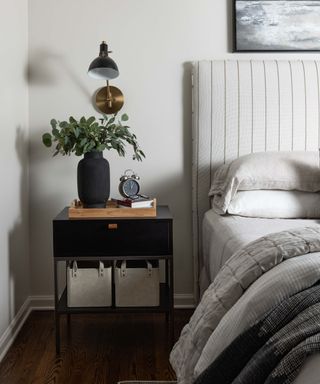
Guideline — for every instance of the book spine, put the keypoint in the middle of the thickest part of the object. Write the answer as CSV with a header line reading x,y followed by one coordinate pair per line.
x,y
124,203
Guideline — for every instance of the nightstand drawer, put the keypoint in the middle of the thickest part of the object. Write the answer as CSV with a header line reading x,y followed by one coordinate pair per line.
x,y
112,237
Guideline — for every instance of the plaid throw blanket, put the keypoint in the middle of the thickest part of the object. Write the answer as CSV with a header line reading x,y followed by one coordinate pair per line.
x,y
274,349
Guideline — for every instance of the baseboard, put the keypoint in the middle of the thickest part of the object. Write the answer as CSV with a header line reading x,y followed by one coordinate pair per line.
x,y
14,327
41,303
184,300
32,303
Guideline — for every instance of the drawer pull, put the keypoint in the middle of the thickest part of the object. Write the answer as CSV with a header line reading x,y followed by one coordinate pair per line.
x,y
112,226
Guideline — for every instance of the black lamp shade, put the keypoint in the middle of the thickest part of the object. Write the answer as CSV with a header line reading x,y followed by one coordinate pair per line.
x,y
103,68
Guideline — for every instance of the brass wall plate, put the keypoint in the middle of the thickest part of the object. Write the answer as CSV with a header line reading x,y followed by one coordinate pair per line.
x,y
116,97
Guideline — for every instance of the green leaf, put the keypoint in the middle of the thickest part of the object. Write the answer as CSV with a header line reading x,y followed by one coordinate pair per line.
x,y
55,132
53,123
124,117
72,119
85,148
47,139
77,132
64,124
101,147
83,120
91,120
95,126
83,141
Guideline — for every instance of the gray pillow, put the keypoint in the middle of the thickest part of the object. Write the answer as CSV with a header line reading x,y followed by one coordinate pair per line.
x,y
296,170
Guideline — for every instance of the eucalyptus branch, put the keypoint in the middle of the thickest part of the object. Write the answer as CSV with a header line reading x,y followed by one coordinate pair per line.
x,y
88,135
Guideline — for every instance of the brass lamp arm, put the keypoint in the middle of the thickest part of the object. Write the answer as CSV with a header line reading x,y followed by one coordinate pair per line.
x,y
109,96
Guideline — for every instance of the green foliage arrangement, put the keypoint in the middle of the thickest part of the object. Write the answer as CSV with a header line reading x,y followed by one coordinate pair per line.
x,y
88,135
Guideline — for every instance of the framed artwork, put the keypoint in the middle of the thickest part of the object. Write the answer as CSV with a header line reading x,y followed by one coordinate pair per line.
x,y
276,25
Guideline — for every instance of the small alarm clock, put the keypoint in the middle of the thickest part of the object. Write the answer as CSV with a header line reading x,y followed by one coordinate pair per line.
x,y
129,186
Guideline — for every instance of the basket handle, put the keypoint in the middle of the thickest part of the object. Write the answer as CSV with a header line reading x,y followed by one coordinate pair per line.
x,y
101,269
75,269
124,267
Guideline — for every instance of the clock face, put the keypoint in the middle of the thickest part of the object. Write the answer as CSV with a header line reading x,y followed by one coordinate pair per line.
x,y
130,187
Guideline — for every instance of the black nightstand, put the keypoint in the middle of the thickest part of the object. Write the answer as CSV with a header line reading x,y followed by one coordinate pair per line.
x,y
114,239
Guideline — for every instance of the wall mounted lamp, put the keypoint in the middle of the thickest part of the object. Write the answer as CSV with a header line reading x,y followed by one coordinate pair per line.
x,y
109,99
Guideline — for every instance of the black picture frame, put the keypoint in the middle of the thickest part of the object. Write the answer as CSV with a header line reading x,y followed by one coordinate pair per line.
x,y
243,44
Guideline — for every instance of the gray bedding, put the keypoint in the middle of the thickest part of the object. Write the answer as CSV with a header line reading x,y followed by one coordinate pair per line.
x,y
242,270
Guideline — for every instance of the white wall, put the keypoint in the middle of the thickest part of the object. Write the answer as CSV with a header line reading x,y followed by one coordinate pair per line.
x,y
153,42
14,224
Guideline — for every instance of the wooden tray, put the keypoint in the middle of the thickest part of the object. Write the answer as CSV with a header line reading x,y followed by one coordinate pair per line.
x,y
76,211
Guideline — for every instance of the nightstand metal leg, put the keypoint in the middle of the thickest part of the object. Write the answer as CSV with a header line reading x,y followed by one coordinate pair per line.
x,y
167,272
171,302
56,313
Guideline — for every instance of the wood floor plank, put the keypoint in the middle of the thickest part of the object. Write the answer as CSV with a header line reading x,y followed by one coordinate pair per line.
x,y
96,349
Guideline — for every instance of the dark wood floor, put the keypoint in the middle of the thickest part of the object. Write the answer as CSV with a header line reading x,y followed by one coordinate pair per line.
x,y
98,349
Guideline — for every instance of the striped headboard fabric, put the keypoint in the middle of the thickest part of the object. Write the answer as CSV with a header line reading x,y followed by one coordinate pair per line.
x,y
240,107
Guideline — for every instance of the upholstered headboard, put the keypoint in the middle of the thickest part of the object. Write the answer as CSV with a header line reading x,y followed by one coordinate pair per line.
x,y
241,107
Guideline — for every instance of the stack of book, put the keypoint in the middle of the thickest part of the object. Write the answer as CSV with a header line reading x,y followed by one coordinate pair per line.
x,y
140,202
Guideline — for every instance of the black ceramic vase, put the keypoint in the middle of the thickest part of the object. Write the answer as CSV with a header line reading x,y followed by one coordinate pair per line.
x,y
93,180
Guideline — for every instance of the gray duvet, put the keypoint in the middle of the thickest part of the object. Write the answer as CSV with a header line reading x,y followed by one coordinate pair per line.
x,y
243,269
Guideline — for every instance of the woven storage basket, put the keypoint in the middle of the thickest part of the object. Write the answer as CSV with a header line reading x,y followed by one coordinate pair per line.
x,y
137,284
89,284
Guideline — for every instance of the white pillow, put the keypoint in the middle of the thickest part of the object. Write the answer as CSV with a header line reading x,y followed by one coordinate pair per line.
x,y
276,204
265,170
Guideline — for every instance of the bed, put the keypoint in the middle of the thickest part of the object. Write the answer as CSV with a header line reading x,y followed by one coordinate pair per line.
x,y
239,108
224,235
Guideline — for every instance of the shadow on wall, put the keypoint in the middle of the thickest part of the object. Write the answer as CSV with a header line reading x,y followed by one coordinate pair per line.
x,y
49,177
18,235
45,68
